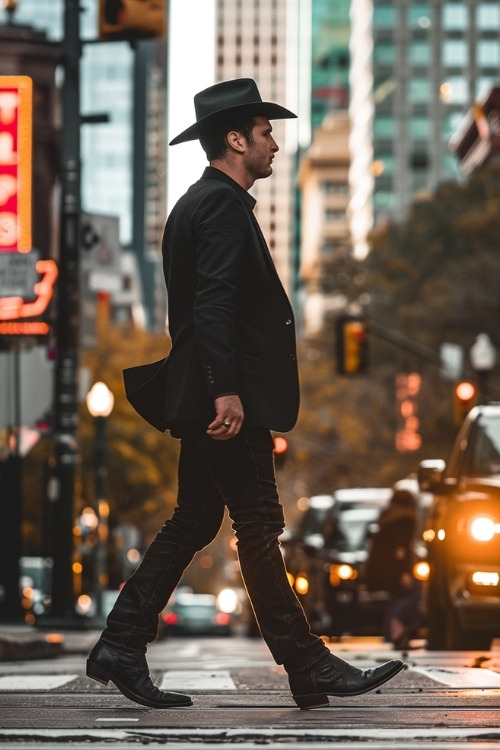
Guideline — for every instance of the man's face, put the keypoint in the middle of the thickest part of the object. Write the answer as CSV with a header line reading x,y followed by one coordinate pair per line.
x,y
260,152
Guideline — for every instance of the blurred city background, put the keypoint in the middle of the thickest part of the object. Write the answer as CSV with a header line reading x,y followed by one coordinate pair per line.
x,y
382,216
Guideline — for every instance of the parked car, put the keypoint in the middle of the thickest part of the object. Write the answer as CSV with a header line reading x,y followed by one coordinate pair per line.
x,y
194,614
325,559
463,536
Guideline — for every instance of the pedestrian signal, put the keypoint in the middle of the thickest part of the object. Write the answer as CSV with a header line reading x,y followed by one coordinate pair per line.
x,y
351,345
464,398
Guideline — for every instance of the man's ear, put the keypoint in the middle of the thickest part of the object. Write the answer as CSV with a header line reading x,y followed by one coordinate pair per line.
x,y
236,141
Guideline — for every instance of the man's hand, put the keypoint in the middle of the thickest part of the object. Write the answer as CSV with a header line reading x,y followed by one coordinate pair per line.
x,y
228,418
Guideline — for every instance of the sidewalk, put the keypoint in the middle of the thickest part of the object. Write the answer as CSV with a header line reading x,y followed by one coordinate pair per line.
x,y
25,643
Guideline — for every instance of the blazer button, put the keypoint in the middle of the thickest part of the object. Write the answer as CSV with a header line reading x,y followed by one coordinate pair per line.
x,y
292,357
288,322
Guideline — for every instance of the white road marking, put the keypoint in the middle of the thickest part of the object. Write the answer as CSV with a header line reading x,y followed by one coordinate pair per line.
x,y
216,680
465,677
35,682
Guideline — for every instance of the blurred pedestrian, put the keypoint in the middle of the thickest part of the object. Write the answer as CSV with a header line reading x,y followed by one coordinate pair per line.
x,y
389,568
232,377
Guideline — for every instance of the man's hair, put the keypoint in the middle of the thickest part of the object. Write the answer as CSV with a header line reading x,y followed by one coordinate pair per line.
x,y
214,142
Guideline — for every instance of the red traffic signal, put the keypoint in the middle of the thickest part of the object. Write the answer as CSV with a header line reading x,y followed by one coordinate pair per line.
x,y
464,398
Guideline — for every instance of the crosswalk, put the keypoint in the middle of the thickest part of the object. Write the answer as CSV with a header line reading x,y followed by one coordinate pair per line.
x,y
221,680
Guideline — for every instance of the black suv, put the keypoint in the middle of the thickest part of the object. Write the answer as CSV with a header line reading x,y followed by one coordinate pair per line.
x,y
463,536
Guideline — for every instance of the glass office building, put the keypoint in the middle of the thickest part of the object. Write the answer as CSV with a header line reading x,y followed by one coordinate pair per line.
x,y
431,61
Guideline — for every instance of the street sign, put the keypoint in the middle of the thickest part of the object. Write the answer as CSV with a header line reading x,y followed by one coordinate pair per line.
x,y
18,274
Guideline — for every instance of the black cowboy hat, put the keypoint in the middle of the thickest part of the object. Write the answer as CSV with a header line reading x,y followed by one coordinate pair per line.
x,y
216,104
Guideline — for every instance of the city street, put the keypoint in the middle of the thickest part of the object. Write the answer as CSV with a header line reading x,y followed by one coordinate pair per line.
x,y
443,700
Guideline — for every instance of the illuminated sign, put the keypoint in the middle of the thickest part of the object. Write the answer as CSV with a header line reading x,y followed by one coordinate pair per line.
x,y
14,309
15,163
408,437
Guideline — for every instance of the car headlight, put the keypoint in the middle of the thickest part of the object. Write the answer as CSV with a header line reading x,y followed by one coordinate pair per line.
x,y
483,529
342,572
421,570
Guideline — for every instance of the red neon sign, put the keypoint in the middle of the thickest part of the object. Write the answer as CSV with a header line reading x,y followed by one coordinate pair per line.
x,y
15,163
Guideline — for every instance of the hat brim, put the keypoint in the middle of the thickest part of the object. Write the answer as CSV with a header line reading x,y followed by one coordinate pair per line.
x,y
258,109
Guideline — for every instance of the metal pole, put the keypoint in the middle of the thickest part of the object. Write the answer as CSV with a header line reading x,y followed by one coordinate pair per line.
x,y
100,495
67,329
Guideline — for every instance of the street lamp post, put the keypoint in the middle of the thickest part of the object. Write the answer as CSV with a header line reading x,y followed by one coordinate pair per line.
x,y
482,357
100,403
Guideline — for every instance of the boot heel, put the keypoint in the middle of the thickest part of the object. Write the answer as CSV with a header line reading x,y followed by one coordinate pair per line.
x,y
317,700
95,672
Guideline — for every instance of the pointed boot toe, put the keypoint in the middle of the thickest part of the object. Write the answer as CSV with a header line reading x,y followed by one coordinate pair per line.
x,y
128,670
332,676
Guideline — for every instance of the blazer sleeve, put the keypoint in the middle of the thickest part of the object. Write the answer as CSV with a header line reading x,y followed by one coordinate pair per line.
x,y
220,224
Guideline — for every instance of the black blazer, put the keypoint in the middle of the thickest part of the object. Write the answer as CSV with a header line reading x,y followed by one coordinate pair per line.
x,y
230,320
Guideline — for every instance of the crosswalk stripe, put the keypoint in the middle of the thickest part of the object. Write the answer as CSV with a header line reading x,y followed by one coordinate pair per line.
x,y
33,682
462,677
216,679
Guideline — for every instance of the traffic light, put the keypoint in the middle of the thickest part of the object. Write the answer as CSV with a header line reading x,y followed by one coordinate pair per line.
x,y
464,398
351,345
132,19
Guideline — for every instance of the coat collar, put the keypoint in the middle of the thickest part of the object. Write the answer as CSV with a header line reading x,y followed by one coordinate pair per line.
x,y
211,173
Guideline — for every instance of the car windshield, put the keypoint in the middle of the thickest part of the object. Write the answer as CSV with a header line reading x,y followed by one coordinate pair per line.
x,y
485,453
349,534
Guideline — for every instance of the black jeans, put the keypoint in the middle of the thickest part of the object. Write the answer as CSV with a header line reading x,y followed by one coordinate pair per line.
x,y
239,474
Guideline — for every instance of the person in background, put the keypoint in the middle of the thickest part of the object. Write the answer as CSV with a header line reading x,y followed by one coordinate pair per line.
x,y
232,377
389,568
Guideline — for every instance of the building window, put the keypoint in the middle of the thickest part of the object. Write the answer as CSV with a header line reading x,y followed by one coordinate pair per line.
x,y
488,53
383,164
488,17
335,214
419,53
328,247
384,16
334,187
455,53
419,90
384,127
455,90
419,127
383,199
419,15
455,16
384,54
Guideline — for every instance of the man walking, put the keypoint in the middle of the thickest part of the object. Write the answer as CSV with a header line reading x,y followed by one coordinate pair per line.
x,y
232,377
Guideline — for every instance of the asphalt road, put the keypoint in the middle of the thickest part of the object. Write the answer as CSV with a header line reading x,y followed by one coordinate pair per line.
x,y
241,698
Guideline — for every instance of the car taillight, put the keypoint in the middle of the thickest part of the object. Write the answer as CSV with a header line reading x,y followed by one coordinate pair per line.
x,y
170,618
222,618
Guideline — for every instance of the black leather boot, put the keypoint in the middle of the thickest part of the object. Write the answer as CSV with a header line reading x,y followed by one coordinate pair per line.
x,y
332,676
128,670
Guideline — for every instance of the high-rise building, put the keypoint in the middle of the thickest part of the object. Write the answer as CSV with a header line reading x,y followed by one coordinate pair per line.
x,y
330,32
260,40
431,61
